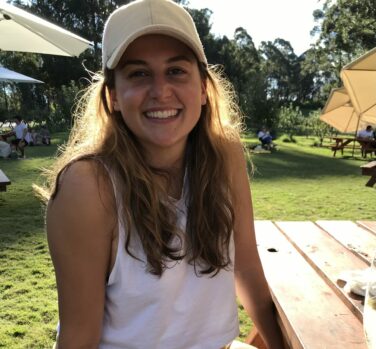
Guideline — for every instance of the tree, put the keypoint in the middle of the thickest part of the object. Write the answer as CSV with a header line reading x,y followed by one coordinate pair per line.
x,y
290,121
241,64
265,79
318,128
347,29
349,25
85,18
281,66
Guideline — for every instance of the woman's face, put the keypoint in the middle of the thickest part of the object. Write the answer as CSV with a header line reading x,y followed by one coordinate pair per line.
x,y
159,92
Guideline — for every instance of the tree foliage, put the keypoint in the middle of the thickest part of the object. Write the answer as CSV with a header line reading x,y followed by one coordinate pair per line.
x,y
290,121
314,126
347,29
271,81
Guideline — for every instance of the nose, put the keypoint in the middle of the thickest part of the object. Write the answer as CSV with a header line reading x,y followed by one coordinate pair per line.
x,y
160,88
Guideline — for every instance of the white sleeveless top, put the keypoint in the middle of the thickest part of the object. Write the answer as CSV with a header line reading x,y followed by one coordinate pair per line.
x,y
178,310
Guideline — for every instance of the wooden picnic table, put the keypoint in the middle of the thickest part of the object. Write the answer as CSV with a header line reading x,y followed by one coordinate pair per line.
x,y
4,181
341,143
302,263
366,146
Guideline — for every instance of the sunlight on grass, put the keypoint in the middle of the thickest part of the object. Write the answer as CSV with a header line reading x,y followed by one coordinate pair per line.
x,y
301,182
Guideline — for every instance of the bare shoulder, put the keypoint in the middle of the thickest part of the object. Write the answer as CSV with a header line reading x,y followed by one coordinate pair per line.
x,y
84,180
84,176
84,195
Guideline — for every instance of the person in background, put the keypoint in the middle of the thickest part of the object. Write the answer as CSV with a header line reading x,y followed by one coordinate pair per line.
x,y
37,139
265,138
44,133
19,131
29,137
149,219
13,152
367,133
5,148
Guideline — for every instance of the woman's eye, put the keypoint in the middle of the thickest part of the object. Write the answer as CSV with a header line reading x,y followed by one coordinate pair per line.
x,y
176,71
137,74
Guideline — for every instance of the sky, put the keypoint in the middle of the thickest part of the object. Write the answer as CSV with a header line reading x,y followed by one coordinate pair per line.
x,y
264,20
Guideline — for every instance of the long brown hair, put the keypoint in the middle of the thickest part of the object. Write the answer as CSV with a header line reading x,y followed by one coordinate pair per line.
x,y
100,133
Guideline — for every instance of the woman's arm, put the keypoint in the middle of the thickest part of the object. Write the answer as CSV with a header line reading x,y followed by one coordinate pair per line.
x,y
80,222
251,285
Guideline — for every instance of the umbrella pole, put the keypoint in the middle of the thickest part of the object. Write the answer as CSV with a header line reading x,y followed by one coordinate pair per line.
x,y
356,132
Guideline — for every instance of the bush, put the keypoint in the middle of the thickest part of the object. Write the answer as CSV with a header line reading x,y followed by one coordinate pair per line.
x,y
288,139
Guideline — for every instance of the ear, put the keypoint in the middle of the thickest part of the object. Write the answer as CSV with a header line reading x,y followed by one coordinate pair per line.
x,y
204,94
114,101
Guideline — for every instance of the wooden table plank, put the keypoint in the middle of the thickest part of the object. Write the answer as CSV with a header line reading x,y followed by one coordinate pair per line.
x,y
327,257
313,315
370,225
357,239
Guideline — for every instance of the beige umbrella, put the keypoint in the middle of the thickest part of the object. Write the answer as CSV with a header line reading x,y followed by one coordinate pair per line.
x,y
24,32
340,113
359,79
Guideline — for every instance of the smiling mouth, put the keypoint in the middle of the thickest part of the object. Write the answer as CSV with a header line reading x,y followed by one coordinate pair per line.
x,y
162,114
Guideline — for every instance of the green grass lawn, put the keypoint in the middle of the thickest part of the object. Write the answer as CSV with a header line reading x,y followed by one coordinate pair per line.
x,y
298,182
302,182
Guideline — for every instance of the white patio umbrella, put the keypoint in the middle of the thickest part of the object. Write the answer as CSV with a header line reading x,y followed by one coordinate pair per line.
x,y
25,32
340,113
7,75
359,78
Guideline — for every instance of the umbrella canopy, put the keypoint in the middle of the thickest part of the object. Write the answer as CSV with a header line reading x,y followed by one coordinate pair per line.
x,y
340,113
359,78
7,75
22,31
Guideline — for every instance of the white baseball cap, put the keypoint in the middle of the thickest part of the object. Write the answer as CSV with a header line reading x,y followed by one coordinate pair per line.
x,y
142,17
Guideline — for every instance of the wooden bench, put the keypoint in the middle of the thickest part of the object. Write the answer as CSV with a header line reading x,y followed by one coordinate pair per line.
x,y
369,170
302,263
4,181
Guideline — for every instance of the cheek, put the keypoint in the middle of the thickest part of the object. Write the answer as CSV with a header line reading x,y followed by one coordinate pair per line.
x,y
196,99
127,98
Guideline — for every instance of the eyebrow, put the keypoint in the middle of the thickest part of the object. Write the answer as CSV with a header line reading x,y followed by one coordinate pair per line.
x,y
141,62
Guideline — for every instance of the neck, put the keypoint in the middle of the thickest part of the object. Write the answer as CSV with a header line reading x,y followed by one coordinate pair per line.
x,y
166,159
172,170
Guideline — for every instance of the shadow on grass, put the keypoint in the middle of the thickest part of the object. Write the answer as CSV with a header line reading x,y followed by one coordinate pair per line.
x,y
21,213
295,163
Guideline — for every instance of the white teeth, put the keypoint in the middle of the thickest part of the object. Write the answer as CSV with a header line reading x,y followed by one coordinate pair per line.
x,y
162,114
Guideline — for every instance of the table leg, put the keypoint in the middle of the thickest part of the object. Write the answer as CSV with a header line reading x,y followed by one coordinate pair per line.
x,y
371,181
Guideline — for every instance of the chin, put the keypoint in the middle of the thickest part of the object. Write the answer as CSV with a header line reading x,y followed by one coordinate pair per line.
x,y
166,143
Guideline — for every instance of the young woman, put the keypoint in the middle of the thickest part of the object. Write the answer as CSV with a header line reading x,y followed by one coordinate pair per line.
x,y
149,221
